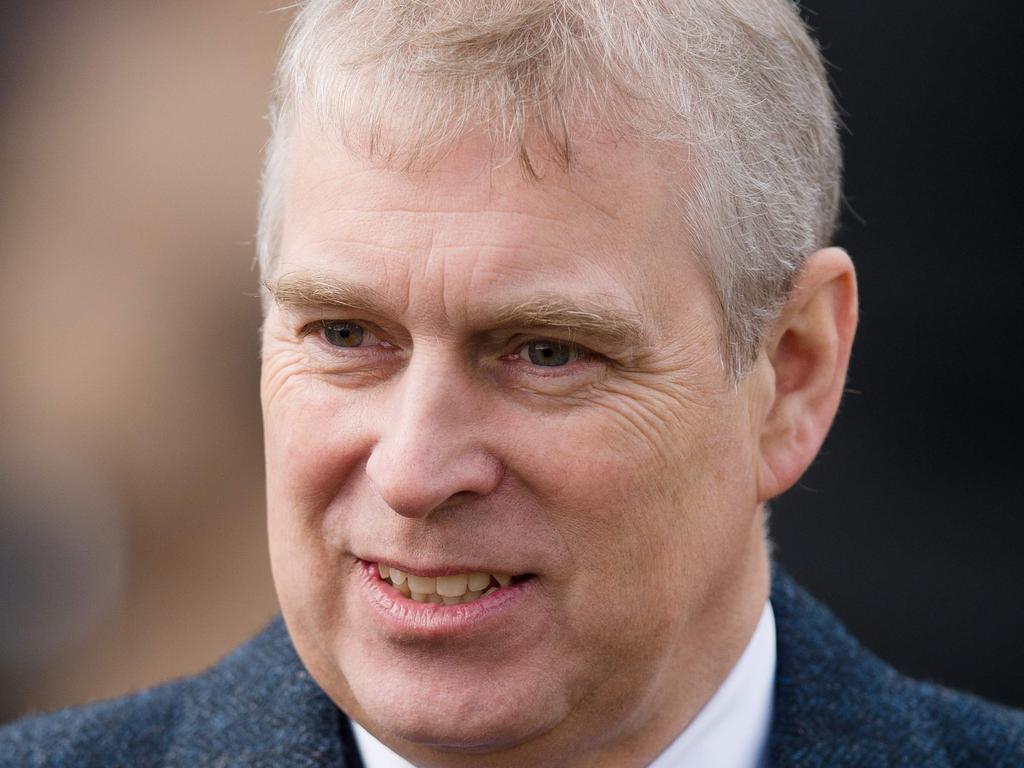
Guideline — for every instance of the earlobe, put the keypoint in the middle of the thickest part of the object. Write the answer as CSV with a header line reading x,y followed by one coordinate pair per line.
x,y
808,354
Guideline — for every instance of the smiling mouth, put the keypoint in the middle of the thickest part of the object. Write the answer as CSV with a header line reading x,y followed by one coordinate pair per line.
x,y
454,589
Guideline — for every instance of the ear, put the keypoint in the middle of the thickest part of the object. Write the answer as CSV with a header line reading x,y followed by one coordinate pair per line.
x,y
807,354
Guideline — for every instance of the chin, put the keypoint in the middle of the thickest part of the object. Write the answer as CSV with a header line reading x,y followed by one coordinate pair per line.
x,y
453,708
483,735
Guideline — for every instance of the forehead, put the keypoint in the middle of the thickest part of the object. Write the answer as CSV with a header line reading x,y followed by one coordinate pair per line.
x,y
609,174
609,226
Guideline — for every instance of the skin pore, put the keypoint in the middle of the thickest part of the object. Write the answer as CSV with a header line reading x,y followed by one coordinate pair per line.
x,y
465,369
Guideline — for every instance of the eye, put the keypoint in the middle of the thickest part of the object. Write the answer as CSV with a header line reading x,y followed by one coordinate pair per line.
x,y
550,353
345,333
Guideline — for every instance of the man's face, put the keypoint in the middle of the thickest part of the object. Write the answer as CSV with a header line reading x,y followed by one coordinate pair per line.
x,y
470,372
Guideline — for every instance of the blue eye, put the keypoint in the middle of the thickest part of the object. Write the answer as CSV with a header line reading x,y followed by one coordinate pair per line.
x,y
550,354
344,334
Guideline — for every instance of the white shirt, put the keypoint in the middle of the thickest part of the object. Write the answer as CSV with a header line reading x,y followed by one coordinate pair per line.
x,y
730,731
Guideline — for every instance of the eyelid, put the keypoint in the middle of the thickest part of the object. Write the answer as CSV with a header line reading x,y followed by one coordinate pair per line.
x,y
521,340
579,349
514,346
317,327
584,365
599,347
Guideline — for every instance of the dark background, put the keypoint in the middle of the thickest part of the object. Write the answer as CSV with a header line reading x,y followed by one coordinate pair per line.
x,y
910,524
130,157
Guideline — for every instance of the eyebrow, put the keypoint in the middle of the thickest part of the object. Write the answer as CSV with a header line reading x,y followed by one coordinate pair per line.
x,y
295,291
592,317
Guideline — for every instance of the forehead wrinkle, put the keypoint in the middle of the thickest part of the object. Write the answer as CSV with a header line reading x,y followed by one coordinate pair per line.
x,y
580,182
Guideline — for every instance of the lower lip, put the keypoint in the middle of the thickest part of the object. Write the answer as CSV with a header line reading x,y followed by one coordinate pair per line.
x,y
409,617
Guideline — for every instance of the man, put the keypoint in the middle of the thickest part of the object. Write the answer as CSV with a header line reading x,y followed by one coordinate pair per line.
x,y
550,317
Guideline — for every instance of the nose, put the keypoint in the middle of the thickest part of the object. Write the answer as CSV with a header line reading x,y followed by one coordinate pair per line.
x,y
431,451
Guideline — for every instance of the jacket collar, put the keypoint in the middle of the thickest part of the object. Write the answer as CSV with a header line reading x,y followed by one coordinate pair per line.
x,y
260,707
835,703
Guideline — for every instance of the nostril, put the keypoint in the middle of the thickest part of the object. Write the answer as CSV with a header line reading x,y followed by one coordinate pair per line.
x,y
457,499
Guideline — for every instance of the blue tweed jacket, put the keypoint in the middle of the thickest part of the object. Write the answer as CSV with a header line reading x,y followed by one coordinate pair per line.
x,y
835,705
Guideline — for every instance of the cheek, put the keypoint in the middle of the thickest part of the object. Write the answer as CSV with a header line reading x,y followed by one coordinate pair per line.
x,y
622,463
315,438
644,490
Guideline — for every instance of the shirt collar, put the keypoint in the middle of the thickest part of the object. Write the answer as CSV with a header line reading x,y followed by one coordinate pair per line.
x,y
730,731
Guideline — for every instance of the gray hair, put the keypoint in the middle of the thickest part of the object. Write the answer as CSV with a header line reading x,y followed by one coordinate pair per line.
x,y
738,85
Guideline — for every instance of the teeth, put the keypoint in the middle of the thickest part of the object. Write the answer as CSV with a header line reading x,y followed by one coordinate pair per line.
x,y
479,581
444,590
425,584
452,586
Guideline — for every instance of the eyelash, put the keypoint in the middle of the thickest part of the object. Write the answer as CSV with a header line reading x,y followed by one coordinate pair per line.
x,y
319,328
579,354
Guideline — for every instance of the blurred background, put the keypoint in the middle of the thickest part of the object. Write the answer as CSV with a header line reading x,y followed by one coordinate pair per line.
x,y
132,543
